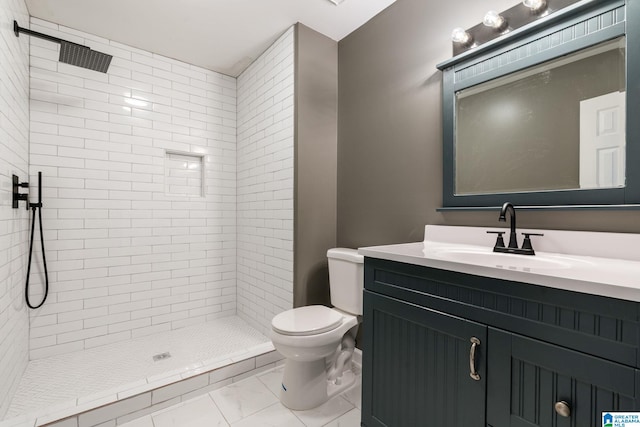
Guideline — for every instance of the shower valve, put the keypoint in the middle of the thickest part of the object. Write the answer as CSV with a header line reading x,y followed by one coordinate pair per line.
x,y
17,196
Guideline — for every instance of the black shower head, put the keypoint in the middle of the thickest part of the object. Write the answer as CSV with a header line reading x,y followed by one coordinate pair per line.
x,y
82,56
72,53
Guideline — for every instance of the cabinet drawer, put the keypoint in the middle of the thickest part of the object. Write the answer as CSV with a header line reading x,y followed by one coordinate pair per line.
x,y
528,377
600,326
416,367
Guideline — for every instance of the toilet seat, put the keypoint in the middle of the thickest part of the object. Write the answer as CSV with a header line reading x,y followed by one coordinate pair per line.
x,y
305,321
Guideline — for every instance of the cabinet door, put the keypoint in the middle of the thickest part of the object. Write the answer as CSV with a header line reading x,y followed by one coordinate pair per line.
x,y
416,366
528,377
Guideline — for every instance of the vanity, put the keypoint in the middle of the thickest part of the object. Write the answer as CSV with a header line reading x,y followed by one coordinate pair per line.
x,y
457,335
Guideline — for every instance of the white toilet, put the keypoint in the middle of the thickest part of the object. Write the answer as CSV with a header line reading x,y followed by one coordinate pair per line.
x,y
317,341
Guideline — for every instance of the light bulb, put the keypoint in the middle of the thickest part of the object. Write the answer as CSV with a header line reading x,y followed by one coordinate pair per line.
x,y
535,5
494,20
459,35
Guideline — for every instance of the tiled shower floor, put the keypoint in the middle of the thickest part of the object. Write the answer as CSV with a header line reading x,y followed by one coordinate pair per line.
x,y
83,375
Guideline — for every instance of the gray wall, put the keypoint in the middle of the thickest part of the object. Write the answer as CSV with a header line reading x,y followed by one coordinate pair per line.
x,y
390,132
316,139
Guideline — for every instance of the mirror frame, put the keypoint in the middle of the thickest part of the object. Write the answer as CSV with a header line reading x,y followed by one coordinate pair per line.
x,y
610,19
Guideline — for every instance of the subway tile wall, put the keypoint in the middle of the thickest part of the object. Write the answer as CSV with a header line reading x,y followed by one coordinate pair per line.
x,y
126,257
265,184
14,154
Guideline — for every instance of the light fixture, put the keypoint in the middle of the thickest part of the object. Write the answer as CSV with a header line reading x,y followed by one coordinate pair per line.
x,y
460,35
496,24
494,20
535,5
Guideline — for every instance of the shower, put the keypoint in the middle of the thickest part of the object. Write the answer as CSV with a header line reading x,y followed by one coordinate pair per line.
x,y
80,56
72,53
140,264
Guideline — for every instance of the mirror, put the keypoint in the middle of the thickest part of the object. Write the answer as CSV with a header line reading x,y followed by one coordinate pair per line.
x,y
545,115
555,126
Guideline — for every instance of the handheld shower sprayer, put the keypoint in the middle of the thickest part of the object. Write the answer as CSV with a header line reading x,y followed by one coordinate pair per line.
x,y
39,204
36,207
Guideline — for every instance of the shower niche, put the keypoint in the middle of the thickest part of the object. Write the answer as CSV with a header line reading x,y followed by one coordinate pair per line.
x,y
183,174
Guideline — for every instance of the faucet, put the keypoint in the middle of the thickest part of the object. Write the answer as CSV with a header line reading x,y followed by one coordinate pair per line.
x,y
508,207
512,248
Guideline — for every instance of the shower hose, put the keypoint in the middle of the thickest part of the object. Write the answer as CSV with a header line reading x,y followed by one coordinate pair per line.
x,y
36,207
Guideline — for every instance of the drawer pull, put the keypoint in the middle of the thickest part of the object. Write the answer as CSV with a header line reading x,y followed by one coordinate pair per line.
x,y
475,342
563,409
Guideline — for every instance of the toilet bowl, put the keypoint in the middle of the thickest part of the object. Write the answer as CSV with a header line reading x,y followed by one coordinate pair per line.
x,y
317,342
307,337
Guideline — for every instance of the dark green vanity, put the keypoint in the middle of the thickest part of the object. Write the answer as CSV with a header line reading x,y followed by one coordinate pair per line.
x,y
456,336
541,351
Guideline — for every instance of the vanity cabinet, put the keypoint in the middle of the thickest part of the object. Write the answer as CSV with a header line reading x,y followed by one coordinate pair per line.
x,y
539,348
420,366
529,377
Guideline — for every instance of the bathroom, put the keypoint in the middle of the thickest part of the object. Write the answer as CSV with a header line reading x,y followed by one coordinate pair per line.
x,y
388,116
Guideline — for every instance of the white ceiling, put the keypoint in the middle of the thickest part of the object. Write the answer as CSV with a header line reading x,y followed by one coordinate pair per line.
x,y
220,35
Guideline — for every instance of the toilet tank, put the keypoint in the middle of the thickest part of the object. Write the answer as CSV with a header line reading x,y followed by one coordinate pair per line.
x,y
346,279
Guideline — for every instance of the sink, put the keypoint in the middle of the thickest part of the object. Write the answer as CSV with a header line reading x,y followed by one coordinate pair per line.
x,y
506,261
605,264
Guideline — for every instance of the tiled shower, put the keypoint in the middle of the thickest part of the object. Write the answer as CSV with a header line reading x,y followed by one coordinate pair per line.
x,y
14,145
167,192
129,254
265,125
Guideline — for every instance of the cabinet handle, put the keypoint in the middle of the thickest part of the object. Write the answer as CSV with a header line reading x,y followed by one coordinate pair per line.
x,y
475,342
563,409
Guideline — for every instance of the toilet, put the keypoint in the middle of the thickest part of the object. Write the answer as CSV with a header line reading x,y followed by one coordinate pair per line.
x,y
317,341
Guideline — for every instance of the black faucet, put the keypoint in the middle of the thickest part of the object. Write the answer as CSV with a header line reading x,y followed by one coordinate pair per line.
x,y
508,207
512,248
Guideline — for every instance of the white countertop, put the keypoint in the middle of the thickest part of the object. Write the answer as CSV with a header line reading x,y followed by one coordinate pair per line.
x,y
606,264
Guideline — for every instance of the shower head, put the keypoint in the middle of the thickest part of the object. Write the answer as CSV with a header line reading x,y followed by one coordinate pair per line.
x,y
82,56
72,53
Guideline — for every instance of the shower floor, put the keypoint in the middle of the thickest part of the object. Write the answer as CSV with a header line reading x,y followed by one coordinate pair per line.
x,y
86,374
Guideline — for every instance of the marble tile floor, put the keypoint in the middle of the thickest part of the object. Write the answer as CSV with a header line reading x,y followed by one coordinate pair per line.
x,y
253,402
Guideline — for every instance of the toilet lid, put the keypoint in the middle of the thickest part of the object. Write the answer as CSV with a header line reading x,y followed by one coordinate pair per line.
x,y
311,320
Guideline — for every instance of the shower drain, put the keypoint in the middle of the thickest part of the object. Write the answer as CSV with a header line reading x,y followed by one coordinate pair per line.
x,y
161,356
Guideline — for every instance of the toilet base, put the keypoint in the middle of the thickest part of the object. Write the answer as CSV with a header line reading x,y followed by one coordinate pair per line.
x,y
305,385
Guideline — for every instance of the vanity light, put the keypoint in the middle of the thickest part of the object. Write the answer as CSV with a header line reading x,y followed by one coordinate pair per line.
x,y
535,5
494,20
497,24
459,35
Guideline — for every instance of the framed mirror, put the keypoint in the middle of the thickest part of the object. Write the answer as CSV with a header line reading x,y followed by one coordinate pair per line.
x,y
546,117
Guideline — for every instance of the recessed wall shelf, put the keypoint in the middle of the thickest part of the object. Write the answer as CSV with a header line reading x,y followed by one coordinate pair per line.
x,y
184,174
